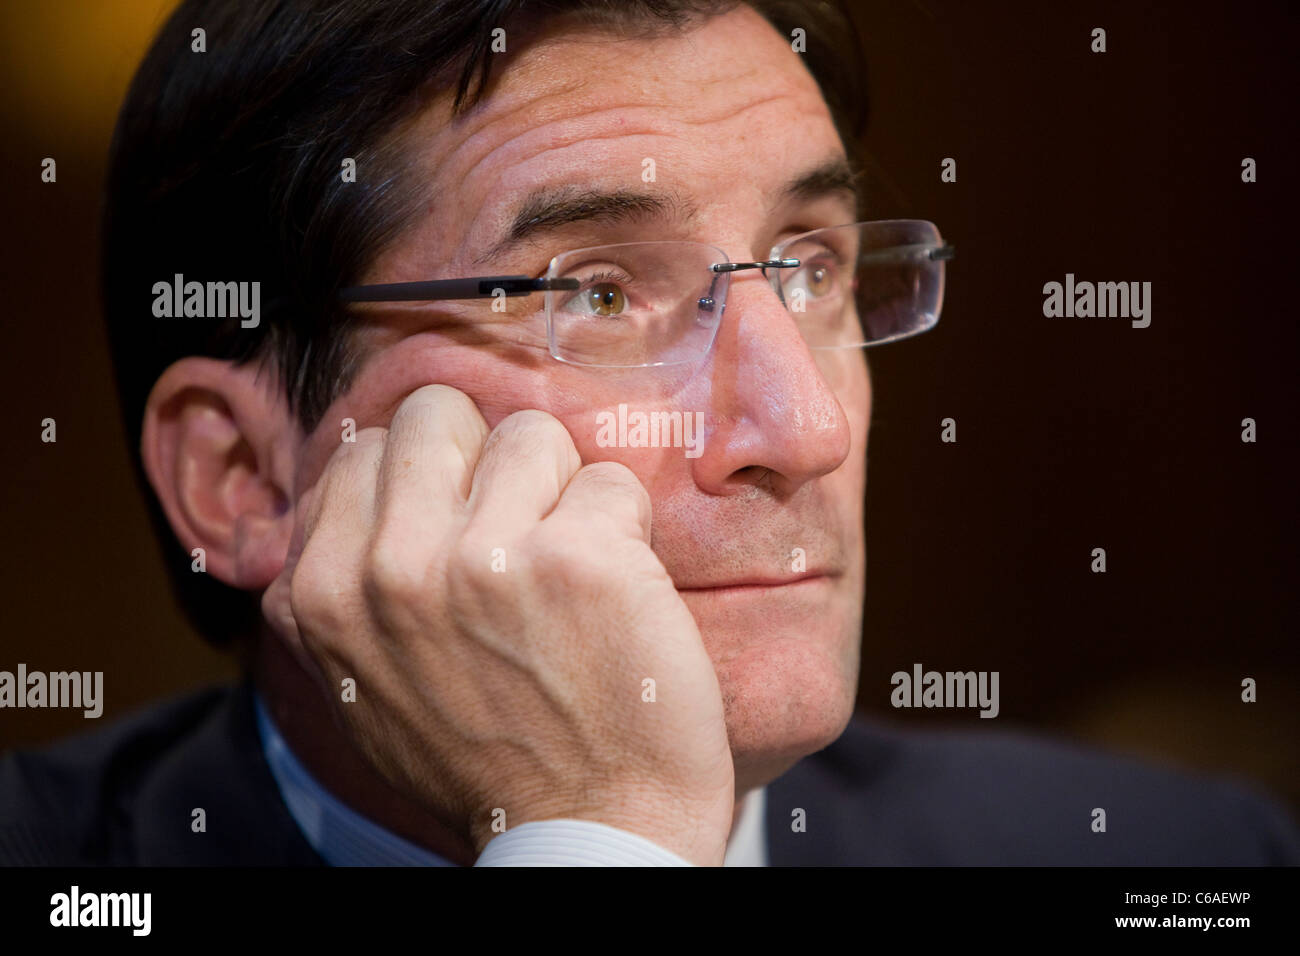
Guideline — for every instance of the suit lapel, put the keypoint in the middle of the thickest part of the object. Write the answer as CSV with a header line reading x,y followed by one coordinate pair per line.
x,y
222,771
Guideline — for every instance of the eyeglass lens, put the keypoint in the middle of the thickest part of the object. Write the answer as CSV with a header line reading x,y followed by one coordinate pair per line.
x,y
659,303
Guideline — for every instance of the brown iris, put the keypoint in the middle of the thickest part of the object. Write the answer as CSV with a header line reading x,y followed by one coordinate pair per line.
x,y
819,280
606,298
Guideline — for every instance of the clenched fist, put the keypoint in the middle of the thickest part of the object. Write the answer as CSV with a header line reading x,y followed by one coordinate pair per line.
x,y
499,605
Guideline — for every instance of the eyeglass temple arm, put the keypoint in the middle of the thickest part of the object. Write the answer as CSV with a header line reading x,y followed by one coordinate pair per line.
x,y
485,287
481,287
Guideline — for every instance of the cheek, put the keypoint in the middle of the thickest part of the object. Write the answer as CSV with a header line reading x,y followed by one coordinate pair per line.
x,y
849,378
499,381
388,378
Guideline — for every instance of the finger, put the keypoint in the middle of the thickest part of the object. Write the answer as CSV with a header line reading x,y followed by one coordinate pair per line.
x,y
341,506
333,518
434,441
608,492
337,530
526,463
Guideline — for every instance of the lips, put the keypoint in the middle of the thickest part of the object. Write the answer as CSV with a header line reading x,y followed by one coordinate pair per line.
x,y
755,583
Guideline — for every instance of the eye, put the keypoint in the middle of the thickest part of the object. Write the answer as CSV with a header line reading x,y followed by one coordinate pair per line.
x,y
603,298
819,280
818,277
605,292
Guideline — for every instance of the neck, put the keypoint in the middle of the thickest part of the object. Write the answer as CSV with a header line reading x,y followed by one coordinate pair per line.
x,y
306,722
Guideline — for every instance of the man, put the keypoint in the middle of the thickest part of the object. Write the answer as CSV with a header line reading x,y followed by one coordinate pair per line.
x,y
500,618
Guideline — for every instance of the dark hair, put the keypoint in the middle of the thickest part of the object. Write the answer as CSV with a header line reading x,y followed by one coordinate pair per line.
x,y
225,165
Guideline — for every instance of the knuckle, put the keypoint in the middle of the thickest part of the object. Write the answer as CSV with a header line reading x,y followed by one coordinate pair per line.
x,y
469,563
394,572
362,442
535,427
453,412
314,600
442,400
614,477
561,557
427,395
616,494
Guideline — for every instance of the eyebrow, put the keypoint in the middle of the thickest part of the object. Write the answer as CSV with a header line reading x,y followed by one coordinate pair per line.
x,y
831,177
549,207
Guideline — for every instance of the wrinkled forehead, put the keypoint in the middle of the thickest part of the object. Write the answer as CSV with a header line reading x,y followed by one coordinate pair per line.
x,y
718,107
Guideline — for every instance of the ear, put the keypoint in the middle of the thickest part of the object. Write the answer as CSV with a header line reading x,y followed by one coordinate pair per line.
x,y
218,446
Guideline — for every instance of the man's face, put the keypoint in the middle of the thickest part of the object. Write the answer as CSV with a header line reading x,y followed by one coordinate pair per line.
x,y
732,120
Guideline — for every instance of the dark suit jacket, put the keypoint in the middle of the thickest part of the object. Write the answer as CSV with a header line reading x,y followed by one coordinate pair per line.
x,y
124,795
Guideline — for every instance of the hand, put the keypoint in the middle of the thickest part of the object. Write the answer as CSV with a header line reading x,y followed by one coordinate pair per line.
x,y
518,689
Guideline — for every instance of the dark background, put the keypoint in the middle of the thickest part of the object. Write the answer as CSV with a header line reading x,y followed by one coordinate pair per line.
x,y
1072,433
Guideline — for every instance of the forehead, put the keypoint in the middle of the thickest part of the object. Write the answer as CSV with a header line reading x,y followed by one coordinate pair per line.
x,y
724,108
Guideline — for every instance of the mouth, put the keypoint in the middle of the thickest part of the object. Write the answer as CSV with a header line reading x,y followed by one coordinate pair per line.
x,y
760,585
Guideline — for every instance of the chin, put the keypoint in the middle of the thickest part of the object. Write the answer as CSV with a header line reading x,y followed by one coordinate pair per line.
x,y
784,699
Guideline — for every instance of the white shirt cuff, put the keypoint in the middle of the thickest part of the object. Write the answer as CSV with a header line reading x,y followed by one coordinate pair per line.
x,y
574,843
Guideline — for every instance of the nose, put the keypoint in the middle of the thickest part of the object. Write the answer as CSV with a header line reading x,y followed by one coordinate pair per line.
x,y
775,421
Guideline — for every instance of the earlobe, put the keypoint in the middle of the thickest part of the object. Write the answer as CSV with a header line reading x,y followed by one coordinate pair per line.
x,y
217,445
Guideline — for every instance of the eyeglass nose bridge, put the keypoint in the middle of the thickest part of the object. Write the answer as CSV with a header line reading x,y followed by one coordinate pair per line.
x,y
764,265
707,303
